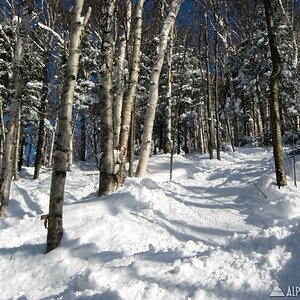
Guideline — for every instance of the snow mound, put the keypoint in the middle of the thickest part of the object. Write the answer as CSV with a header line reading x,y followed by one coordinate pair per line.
x,y
208,234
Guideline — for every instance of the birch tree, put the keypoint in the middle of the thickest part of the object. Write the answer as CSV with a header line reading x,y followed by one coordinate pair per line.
x,y
153,92
64,134
130,97
120,73
107,181
274,98
15,106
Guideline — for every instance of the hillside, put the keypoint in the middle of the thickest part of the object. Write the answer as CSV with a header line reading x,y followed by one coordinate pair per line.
x,y
219,230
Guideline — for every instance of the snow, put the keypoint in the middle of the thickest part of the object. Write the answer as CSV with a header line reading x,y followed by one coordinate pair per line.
x,y
219,230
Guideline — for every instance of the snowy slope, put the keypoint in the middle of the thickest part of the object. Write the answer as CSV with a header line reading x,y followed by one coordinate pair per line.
x,y
219,230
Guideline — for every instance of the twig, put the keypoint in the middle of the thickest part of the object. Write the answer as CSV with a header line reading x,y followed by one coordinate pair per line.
x,y
261,191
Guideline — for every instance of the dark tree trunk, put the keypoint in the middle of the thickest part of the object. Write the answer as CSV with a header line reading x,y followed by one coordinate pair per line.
x,y
29,152
274,99
131,144
22,153
42,133
82,137
218,142
211,134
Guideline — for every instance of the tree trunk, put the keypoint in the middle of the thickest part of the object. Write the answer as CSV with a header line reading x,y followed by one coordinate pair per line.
x,y
52,143
55,217
218,142
22,153
120,75
29,151
168,138
82,136
70,152
94,139
42,133
131,144
15,172
153,93
274,99
129,101
211,133
107,163
12,126
2,131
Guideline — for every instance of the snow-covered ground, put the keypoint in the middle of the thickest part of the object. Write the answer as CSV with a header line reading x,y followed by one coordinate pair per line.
x,y
219,230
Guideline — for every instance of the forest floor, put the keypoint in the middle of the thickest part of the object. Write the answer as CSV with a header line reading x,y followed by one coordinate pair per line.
x,y
218,230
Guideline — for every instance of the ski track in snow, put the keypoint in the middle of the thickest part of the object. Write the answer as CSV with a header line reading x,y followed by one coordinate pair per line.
x,y
208,234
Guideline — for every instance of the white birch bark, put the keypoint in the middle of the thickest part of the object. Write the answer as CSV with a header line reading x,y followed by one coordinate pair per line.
x,y
52,143
130,97
153,92
62,144
120,75
107,162
12,126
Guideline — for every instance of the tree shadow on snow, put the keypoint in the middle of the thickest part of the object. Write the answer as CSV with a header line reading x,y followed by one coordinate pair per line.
x,y
28,249
67,294
290,273
32,205
116,203
188,289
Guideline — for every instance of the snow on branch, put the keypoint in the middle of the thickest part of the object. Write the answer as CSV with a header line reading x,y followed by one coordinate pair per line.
x,y
61,40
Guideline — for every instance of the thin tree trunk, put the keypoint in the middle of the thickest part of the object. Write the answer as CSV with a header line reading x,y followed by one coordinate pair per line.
x,y
120,75
168,138
274,99
218,142
29,152
82,136
22,153
2,131
211,133
153,92
12,126
131,144
55,217
15,171
42,132
94,141
129,101
107,181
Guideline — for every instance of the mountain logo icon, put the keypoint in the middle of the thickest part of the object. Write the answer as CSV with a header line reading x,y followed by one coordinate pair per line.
x,y
277,292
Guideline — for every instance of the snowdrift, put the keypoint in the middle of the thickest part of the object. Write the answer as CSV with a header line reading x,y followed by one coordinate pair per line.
x,y
219,230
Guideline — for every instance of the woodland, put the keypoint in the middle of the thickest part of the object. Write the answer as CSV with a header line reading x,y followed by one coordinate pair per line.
x,y
119,81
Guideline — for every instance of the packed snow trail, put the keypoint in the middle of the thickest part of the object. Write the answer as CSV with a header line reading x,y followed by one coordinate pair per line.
x,y
219,230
